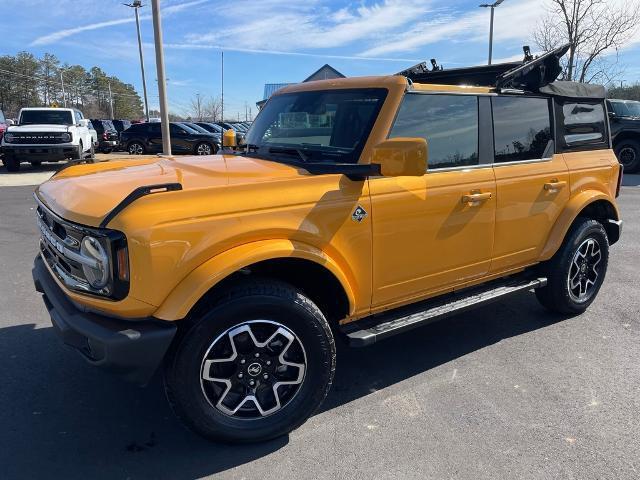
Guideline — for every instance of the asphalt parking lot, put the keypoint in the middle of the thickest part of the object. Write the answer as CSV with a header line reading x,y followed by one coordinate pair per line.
x,y
506,391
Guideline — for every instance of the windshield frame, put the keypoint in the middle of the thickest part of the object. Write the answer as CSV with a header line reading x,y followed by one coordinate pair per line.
x,y
262,150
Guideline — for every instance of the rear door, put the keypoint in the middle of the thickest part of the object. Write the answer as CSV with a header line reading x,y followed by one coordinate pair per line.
x,y
435,231
532,180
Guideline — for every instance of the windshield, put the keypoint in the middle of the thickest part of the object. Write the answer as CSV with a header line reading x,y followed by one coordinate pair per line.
x,y
626,109
46,117
329,125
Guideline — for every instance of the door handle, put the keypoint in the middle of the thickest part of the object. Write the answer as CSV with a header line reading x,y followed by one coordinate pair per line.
x,y
554,186
473,199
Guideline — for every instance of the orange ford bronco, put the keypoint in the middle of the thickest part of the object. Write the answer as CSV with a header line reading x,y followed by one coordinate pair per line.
x,y
358,208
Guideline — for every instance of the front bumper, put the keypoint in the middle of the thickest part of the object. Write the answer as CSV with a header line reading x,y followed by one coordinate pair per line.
x,y
131,348
41,152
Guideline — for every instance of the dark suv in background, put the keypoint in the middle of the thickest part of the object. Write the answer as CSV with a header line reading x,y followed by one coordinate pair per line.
x,y
108,138
624,118
143,138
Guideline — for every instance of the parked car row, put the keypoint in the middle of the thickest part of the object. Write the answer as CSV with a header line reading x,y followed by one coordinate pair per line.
x,y
141,138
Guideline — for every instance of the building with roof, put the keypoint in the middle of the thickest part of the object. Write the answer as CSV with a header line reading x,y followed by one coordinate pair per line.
x,y
326,72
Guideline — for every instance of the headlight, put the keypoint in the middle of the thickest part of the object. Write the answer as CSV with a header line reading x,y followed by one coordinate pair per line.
x,y
8,137
97,277
66,137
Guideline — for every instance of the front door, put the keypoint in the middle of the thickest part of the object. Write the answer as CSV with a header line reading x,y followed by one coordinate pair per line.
x,y
532,182
434,231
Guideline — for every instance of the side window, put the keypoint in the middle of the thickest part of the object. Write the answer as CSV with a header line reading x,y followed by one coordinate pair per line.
x,y
582,124
521,128
154,128
176,130
449,123
78,116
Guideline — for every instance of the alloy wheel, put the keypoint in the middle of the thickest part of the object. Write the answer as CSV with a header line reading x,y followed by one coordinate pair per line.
x,y
203,149
136,149
584,272
627,156
253,369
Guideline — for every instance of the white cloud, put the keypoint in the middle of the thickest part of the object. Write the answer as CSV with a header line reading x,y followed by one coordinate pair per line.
x,y
280,25
61,34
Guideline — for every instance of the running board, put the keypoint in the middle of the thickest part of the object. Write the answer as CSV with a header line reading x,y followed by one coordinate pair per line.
x,y
378,327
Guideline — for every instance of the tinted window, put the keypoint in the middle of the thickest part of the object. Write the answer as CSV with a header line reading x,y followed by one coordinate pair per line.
x,y
177,130
46,117
521,128
153,127
449,123
2,119
583,123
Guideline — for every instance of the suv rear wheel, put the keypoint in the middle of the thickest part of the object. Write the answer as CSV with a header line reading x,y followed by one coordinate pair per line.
x,y
576,272
254,367
628,153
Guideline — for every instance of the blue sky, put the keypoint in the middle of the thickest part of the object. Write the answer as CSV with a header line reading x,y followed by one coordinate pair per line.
x,y
270,41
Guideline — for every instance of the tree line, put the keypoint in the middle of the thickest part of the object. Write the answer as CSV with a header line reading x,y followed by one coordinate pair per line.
x,y
28,81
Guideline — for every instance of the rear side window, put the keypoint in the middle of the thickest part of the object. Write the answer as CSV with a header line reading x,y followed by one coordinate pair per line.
x,y
582,124
521,128
2,119
449,123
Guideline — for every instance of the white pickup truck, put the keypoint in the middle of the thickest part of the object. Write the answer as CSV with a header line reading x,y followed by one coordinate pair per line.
x,y
48,135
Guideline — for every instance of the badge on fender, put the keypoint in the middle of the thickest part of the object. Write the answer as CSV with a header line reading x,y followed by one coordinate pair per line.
x,y
359,214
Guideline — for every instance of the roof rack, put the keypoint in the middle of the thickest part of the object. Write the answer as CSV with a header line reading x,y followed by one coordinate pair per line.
x,y
530,74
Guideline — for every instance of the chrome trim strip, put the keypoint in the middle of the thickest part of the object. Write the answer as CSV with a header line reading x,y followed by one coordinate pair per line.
x,y
520,162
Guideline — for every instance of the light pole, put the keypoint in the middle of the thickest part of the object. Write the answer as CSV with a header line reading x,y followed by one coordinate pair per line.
x,y
162,79
136,5
492,6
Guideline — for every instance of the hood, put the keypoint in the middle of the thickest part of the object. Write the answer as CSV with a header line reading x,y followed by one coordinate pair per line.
x,y
85,194
38,128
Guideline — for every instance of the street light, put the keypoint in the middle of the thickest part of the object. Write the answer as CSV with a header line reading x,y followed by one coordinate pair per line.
x,y
492,6
136,5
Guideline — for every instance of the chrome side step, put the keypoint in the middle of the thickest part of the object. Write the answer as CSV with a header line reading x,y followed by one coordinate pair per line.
x,y
378,327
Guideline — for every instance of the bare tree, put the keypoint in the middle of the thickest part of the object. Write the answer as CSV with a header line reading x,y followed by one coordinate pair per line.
x,y
196,108
595,29
213,109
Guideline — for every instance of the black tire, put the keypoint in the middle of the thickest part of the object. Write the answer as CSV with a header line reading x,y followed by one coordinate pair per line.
x,y
91,156
204,148
106,150
628,153
80,153
36,164
566,267
11,163
254,303
135,148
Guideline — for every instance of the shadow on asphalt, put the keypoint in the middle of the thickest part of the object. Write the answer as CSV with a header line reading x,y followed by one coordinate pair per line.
x,y
64,419
631,180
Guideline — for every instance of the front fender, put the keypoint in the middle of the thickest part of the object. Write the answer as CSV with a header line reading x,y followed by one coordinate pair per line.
x,y
571,211
185,295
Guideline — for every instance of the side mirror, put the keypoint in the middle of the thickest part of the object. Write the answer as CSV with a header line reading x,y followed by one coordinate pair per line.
x,y
401,157
83,122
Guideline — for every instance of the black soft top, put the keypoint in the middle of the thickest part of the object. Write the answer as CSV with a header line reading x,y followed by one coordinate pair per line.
x,y
573,90
533,74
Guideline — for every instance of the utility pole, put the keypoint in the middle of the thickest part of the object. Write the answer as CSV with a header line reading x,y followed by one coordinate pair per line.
x,y
111,102
136,5
492,6
222,108
64,96
162,80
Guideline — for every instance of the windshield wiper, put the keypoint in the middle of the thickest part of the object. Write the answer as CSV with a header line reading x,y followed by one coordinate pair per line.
x,y
290,151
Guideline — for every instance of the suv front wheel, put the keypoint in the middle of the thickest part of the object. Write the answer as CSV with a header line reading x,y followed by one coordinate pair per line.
x,y
253,367
576,272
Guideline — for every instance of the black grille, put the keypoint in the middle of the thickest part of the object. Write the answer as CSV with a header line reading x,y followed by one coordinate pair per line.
x,y
39,138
